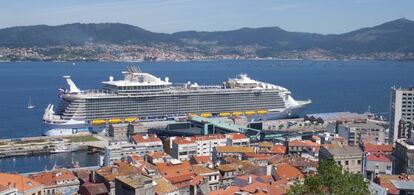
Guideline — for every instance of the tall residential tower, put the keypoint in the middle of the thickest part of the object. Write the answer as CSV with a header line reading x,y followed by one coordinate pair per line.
x,y
401,113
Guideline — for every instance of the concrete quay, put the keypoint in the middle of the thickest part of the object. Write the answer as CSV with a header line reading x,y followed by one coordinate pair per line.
x,y
49,144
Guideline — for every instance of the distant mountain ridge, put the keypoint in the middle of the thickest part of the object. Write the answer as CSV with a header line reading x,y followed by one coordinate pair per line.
x,y
393,36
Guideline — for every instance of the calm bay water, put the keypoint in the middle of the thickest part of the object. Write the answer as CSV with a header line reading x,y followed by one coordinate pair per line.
x,y
28,164
332,85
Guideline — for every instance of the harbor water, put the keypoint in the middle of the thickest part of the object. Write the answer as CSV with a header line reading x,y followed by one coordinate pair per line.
x,y
332,86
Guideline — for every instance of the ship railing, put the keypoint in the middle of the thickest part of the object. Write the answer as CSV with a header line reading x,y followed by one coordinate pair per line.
x,y
96,92
172,91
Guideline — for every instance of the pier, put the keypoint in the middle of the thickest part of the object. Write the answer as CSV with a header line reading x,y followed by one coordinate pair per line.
x,y
49,144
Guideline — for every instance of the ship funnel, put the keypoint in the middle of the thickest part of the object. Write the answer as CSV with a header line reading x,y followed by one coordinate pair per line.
x,y
72,86
49,112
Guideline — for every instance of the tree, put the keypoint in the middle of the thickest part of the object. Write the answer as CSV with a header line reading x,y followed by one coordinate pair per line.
x,y
330,179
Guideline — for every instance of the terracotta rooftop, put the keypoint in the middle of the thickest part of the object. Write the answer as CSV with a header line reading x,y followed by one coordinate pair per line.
x,y
196,180
118,169
2,188
227,191
20,182
373,148
288,172
156,155
278,149
169,170
200,169
234,149
137,158
294,160
258,188
236,136
386,181
378,157
163,186
306,143
265,144
184,140
82,174
201,159
145,138
52,178
227,167
244,165
181,180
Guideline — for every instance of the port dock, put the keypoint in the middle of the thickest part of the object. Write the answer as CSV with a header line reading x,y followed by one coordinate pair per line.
x,y
50,144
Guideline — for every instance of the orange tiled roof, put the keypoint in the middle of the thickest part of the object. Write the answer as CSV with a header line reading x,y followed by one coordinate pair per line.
x,y
227,167
234,149
122,169
259,188
200,169
201,159
286,171
373,148
145,139
278,149
164,186
265,144
157,154
196,180
180,178
306,143
385,181
137,158
169,170
22,183
236,136
52,178
184,140
378,157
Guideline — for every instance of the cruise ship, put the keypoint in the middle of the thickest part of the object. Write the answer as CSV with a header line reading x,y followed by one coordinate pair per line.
x,y
142,96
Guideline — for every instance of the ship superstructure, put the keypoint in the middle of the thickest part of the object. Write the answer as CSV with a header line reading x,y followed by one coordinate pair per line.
x,y
143,96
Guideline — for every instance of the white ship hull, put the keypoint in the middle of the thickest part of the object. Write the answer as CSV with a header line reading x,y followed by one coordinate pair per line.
x,y
141,95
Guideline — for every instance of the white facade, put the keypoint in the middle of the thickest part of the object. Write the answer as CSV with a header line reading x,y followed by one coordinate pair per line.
x,y
205,146
401,109
117,150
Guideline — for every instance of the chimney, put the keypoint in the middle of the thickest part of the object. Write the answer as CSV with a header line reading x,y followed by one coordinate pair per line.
x,y
250,179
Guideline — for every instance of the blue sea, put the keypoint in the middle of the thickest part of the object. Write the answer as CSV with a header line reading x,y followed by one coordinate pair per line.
x,y
333,86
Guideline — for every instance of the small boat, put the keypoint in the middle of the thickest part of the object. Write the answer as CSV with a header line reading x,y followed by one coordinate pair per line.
x,y
29,104
62,149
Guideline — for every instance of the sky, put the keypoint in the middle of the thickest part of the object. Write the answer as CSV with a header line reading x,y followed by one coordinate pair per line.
x,y
317,16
